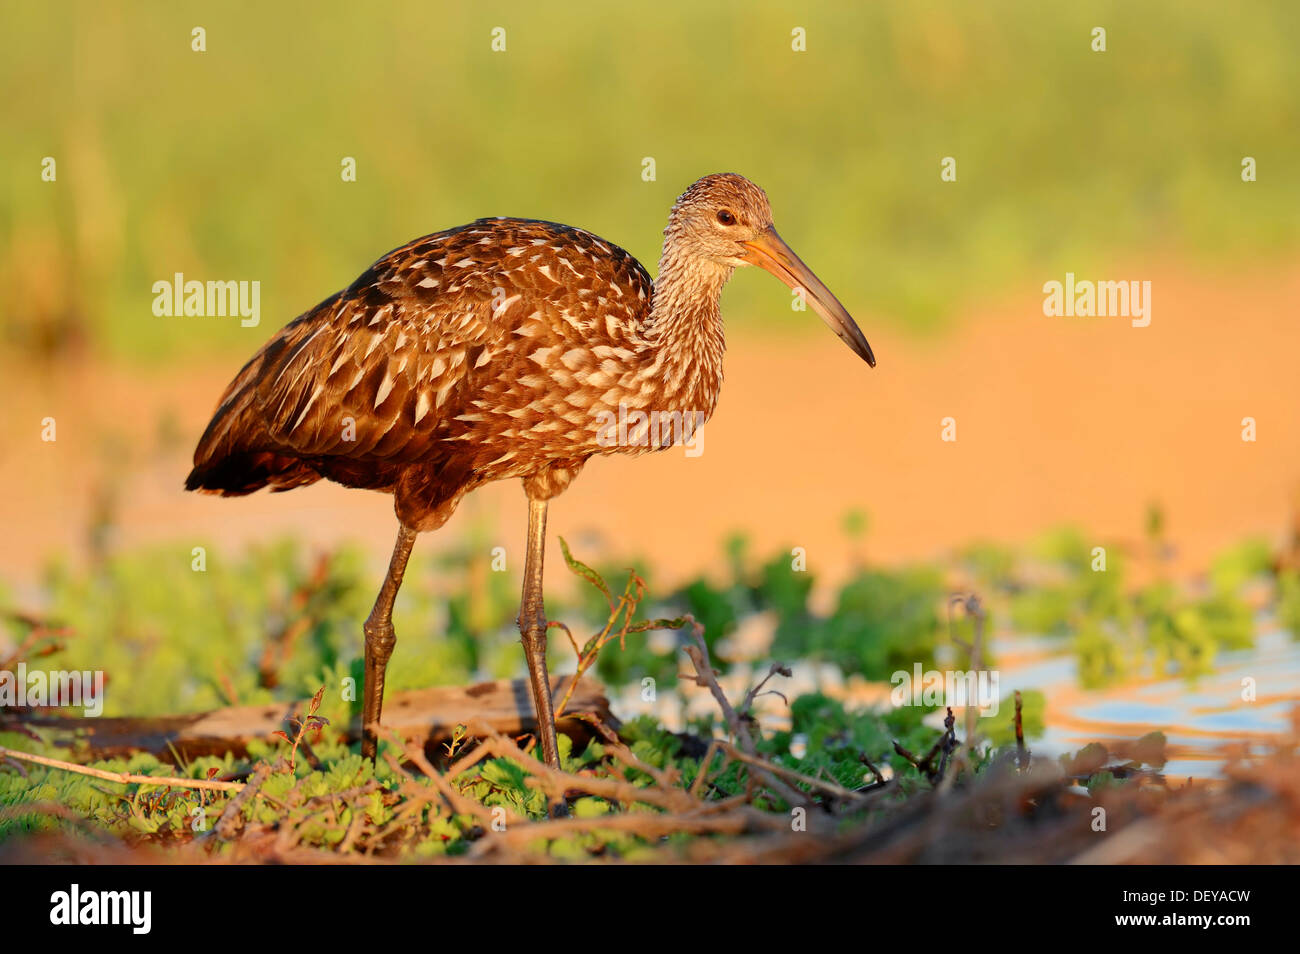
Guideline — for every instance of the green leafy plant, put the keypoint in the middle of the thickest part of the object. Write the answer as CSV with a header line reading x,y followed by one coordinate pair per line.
x,y
310,723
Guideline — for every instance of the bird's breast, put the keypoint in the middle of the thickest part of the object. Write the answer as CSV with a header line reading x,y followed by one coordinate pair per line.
x,y
565,400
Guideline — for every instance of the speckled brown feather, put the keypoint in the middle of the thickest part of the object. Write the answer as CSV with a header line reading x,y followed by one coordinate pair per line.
x,y
471,355
475,354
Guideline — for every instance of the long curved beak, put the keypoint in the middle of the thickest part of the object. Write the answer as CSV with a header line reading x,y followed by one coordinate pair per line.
x,y
770,252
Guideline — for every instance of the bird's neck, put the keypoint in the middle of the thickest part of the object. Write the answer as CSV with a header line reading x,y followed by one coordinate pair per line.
x,y
685,328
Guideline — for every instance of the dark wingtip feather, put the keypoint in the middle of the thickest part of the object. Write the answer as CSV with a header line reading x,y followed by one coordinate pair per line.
x,y
244,473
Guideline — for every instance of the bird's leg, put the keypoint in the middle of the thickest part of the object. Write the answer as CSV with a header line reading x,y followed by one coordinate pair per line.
x,y
380,640
532,629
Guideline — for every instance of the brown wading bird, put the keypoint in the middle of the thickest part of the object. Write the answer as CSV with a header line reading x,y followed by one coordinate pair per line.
x,y
497,349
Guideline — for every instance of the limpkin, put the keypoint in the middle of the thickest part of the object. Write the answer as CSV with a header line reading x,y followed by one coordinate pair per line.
x,y
489,351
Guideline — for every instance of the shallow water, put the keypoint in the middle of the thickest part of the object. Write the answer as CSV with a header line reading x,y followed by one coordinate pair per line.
x,y
1198,717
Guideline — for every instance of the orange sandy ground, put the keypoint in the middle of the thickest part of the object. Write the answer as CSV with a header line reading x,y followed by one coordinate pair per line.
x,y
1058,420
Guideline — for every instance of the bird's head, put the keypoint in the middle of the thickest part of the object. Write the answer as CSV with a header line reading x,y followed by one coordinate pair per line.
x,y
727,220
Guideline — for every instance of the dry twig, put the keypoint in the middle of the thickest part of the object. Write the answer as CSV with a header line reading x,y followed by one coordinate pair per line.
x,y
126,778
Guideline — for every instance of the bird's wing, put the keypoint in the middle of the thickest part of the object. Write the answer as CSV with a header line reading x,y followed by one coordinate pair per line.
x,y
370,373
381,370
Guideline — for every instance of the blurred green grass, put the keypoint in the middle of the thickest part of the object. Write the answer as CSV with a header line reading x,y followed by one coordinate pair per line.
x,y
226,164
276,622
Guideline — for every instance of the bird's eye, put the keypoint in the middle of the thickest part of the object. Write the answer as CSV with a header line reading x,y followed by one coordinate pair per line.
x,y
726,218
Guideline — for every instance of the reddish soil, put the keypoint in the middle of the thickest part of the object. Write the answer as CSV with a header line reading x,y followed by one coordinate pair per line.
x,y
1058,420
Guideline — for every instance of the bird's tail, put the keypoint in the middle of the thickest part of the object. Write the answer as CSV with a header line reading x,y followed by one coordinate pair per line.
x,y
238,474
235,456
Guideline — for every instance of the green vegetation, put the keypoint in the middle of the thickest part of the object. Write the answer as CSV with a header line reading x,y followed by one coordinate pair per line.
x,y
397,812
277,622
279,625
226,164
1080,591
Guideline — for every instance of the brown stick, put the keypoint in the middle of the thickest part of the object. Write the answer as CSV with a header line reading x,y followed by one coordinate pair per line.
x,y
1022,756
558,782
706,677
455,800
830,788
652,824
704,767
225,826
125,778
427,714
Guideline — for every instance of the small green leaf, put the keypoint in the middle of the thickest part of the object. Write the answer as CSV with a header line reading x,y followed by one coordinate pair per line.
x,y
586,572
590,808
